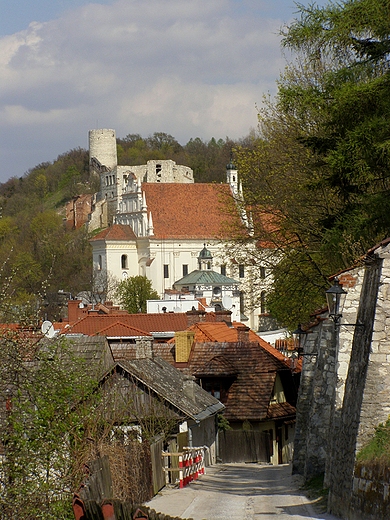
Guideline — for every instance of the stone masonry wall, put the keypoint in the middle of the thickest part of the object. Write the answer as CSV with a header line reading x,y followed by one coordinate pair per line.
x,y
316,398
343,448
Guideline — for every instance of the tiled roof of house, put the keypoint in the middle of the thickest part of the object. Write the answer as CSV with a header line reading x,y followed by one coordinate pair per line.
x,y
256,369
192,211
143,323
121,330
116,232
169,384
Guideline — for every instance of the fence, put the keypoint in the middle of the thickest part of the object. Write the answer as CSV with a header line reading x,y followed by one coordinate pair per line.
x,y
243,446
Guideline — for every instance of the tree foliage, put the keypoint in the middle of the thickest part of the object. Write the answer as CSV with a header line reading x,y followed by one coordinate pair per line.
x,y
46,394
320,165
134,293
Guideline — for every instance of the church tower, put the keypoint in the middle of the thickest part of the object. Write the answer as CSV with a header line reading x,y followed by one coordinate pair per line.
x,y
205,260
232,176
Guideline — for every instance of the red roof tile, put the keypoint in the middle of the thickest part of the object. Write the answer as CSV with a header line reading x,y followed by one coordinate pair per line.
x,y
192,211
120,330
115,232
144,323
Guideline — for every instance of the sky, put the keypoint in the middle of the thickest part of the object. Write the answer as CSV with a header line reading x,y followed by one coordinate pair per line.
x,y
190,68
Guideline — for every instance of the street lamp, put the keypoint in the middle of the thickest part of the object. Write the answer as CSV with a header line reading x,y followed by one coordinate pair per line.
x,y
299,336
335,297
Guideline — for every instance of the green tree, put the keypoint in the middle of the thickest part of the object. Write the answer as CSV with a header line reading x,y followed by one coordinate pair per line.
x,y
134,292
49,397
318,173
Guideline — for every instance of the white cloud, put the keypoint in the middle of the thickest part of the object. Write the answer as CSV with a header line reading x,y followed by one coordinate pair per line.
x,y
190,68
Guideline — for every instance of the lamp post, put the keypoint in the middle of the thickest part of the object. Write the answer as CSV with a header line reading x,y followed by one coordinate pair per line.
x,y
299,336
335,297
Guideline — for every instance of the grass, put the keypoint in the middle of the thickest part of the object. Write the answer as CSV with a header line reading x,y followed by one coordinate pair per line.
x,y
314,489
378,449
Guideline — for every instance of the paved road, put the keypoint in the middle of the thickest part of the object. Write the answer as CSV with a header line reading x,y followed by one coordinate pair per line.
x,y
239,492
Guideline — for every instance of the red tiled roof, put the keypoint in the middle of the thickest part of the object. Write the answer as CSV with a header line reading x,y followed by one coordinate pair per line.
x,y
192,211
115,232
120,330
144,323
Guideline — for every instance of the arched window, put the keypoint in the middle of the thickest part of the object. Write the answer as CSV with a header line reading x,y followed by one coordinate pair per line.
x,y
100,263
124,263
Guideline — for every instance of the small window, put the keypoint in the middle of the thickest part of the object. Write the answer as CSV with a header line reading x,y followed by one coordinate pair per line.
x,y
223,270
262,273
185,269
241,271
100,263
166,271
124,263
208,265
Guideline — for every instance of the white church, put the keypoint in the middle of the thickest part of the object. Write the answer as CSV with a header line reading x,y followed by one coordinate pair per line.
x,y
158,223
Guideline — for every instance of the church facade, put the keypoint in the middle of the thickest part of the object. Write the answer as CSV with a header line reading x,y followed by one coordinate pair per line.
x,y
156,222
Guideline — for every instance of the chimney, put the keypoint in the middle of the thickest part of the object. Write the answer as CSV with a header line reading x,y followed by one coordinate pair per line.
x,y
144,348
243,333
188,387
74,311
183,343
195,316
224,316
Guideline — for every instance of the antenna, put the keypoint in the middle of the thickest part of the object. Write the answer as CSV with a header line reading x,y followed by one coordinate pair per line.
x,y
48,329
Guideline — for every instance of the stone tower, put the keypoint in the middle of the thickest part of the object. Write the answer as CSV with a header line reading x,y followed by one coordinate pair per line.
x,y
102,146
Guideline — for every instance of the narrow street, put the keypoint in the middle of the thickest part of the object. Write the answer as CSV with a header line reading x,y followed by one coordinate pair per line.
x,y
239,492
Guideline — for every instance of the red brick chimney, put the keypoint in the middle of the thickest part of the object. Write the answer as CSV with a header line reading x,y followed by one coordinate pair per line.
x,y
243,333
74,310
224,315
195,316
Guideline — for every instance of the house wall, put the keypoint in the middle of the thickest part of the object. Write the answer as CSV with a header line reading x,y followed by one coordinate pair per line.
x,y
204,434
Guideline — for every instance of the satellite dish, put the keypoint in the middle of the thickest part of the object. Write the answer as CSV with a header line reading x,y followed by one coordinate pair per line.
x,y
48,329
176,309
227,302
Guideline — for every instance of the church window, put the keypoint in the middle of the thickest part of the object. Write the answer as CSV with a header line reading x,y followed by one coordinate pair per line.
x,y
241,271
234,178
223,270
166,271
262,273
208,265
185,269
100,263
124,262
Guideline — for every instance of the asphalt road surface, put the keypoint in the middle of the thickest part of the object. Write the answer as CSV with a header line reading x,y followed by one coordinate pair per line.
x,y
239,492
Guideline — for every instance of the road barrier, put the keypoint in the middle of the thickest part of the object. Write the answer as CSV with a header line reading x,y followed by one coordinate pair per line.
x,y
190,467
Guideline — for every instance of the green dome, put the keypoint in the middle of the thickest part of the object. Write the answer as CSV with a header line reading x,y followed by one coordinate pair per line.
x,y
205,254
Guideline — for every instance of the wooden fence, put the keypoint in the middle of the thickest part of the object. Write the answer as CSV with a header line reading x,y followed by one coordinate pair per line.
x,y
243,446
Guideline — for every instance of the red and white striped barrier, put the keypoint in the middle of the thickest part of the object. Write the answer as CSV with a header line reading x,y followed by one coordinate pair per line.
x,y
191,465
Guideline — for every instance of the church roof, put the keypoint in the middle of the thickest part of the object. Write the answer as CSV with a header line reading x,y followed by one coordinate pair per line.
x,y
116,232
192,211
206,277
